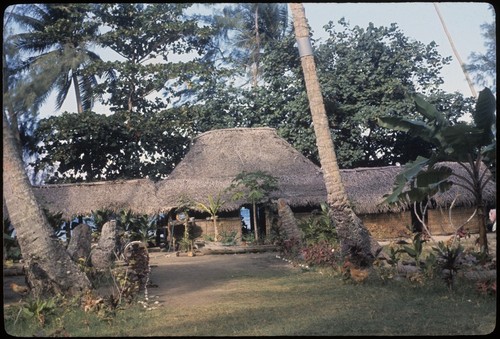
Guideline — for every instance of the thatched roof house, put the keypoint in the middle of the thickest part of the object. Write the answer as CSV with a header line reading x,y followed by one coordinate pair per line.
x,y
217,157
214,160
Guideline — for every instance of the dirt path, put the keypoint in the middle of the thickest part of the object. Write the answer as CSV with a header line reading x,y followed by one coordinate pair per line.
x,y
193,280
198,280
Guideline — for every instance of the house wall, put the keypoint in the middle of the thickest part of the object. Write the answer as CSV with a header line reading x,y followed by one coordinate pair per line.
x,y
394,225
381,226
439,220
388,225
225,226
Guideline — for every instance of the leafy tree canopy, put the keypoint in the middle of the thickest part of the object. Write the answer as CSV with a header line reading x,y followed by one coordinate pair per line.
x,y
484,66
365,73
147,36
93,147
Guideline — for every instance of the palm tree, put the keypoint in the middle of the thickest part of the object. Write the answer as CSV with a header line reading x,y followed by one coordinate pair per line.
x,y
457,55
256,25
58,38
355,239
49,268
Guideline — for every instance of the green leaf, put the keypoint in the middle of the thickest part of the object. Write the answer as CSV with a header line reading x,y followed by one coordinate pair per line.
x,y
410,251
409,172
428,110
412,168
433,176
462,137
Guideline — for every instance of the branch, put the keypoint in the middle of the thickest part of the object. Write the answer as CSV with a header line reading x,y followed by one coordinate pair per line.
x,y
471,162
466,187
422,221
460,227
463,178
483,185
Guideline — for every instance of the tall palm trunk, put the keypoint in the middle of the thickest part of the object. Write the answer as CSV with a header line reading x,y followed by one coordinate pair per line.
x,y
77,93
256,51
355,239
49,269
450,39
255,224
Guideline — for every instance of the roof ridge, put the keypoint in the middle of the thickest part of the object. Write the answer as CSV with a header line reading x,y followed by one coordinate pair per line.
x,y
93,183
359,169
223,130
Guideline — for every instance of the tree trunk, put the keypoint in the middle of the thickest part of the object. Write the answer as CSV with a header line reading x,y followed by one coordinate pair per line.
x,y
77,93
256,228
355,239
288,223
49,268
480,208
216,231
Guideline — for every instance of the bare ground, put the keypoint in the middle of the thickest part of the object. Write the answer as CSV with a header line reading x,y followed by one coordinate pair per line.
x,y
177,280
198,280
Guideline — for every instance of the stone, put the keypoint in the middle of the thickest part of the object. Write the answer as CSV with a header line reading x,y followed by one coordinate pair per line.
x,y
80,243
137,257
105,253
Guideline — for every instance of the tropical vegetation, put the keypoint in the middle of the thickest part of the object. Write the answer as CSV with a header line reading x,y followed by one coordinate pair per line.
x,y
187,97
175,74
470,145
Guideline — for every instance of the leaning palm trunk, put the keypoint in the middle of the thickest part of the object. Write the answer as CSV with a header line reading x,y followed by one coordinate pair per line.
x,y
49,268
355,239
77,93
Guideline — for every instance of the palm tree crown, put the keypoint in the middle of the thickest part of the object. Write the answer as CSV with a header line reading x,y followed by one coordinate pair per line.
x,y
57,41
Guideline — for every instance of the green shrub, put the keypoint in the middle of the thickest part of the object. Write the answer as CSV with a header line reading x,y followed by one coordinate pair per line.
x,y
319,227
448,259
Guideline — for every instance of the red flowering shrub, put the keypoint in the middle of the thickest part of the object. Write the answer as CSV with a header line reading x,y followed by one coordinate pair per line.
x,y
321,254
487,287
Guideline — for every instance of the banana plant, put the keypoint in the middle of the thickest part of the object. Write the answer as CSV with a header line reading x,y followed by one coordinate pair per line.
x,y
468,144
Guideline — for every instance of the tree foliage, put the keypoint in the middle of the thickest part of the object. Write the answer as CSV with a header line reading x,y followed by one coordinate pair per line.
x,y
93,147
484,66
391,65
145,136
147,37
364,73
57,42
254,187
249,28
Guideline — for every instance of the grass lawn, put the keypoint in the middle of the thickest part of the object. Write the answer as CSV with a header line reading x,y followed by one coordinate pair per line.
x,y
308,302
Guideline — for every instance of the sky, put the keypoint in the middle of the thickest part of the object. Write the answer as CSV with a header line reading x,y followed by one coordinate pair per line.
x,y
417,20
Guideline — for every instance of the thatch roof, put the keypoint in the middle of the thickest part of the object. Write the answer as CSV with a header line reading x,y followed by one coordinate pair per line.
x,y
464,197
83,198
217,157
366,187
214,160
